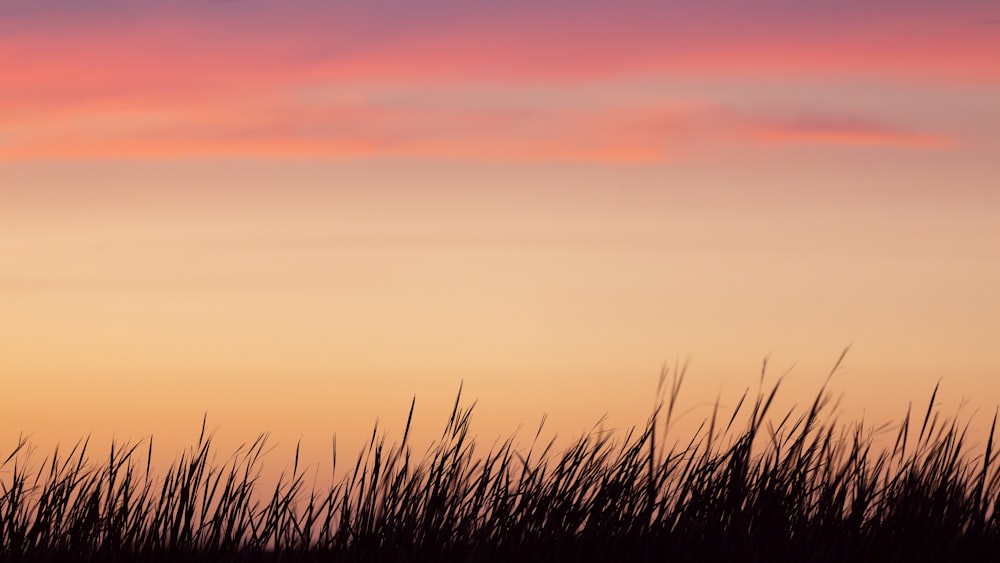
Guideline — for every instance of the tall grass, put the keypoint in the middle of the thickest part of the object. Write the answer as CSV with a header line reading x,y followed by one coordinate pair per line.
x,y
750,486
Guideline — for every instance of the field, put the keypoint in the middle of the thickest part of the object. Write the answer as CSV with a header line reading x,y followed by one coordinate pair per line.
x,y
753,485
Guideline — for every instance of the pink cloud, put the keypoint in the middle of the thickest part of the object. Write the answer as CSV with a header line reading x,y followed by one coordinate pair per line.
x,y
185,83
834,130
359,128
183,55
354,130
225,80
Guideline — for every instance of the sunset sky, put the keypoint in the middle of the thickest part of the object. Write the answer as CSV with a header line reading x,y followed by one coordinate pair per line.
x,y
296,215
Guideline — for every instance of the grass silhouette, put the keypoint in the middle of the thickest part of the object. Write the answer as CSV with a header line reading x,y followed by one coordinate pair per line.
x,y
747,487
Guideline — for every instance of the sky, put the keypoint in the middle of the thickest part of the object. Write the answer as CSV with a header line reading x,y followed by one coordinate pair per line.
x,y
295,216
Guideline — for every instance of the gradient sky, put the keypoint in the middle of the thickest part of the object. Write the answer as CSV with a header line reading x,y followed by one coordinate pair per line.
x,y
296,215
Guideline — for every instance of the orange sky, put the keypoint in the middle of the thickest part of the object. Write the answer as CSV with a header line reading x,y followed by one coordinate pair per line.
x,y
294,216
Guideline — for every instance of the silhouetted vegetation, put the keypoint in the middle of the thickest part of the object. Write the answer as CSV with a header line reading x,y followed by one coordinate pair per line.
x,y
749,486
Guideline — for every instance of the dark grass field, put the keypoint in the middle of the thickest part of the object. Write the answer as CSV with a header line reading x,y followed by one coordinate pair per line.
x,y
754,486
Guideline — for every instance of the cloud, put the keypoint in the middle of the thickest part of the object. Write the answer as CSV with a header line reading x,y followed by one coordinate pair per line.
x,y
354,129
436,128
841,130
149,53
126,80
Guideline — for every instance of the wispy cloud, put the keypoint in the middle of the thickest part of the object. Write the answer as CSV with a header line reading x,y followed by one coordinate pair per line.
x,y
841,130
350,129
121,80
146,54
